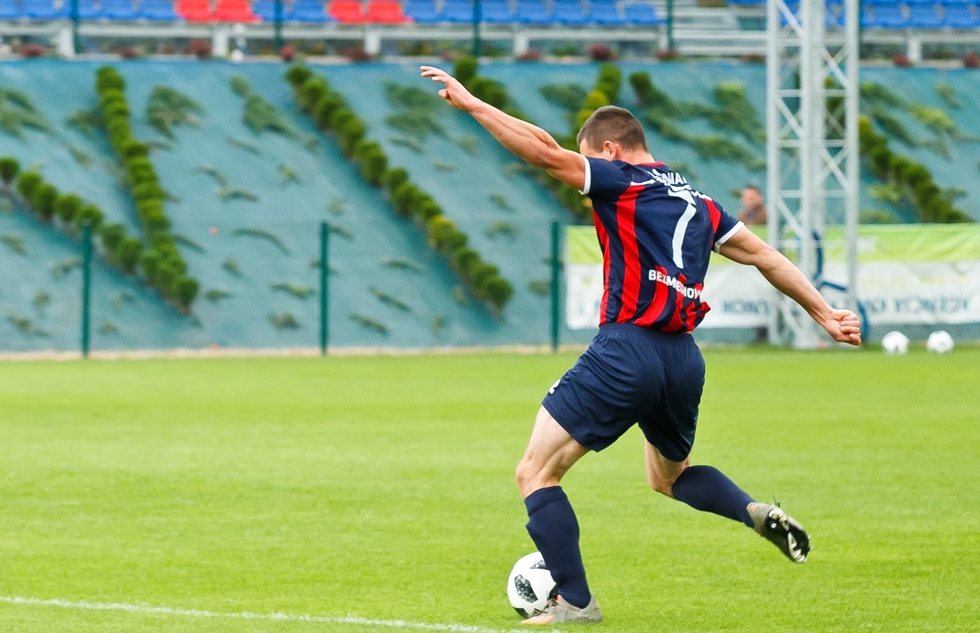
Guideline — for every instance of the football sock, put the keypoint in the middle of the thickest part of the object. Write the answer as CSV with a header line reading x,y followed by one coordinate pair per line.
x,y
707,489
554,530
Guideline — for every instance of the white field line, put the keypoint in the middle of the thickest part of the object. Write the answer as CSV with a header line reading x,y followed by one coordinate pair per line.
x,y
245,615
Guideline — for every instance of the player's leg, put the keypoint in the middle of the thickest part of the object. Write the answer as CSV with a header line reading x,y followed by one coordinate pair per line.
x,y
707,489
551,523
703,488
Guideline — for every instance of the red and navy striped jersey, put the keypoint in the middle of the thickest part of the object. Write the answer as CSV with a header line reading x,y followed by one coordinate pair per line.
x,y
656,234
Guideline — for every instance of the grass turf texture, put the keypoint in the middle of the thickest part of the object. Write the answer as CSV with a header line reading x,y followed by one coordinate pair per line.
x,y
382,488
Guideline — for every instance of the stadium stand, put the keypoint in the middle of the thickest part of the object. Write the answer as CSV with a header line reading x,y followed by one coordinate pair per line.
x,y
121,10
570,13
347,12
386,12
88,11
309,11
9,10
924,16
533,12
43,10
961,17
238,11
497,12
423,11
606,13
194,10
642,14
158,11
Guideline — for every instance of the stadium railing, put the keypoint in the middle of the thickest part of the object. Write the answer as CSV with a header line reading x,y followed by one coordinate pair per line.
x,y
735,29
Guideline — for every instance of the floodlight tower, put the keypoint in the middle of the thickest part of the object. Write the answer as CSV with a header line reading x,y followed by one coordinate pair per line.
x,y
811,147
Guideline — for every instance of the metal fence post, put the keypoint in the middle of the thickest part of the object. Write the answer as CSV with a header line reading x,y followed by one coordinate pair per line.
x,y
324,285
555,284
86,287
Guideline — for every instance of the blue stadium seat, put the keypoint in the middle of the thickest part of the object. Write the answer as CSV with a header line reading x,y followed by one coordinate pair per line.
x,y
884,16
158,11
570,12
43,10
606,13
309,11
87,10
960,17
122,10
423,11
10,10
266,9
533,12
497,12
642,14
458,11
924,17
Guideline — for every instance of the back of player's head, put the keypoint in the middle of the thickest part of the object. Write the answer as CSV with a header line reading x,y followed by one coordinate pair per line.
x,y
615,124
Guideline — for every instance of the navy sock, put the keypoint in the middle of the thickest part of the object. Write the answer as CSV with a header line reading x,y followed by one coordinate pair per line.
x,y
554,530
707,489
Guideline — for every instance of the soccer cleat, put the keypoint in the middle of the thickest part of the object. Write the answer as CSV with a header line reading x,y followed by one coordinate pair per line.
x,y
558,611
783,530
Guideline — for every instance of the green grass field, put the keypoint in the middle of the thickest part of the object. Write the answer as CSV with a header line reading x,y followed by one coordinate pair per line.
x,y
382,488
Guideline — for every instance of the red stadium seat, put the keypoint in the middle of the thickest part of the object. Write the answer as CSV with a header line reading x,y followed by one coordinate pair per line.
x,y
235,11
195,10
386,12
347,12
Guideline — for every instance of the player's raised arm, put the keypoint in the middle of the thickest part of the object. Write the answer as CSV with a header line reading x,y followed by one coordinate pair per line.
x,y
747,248
527,141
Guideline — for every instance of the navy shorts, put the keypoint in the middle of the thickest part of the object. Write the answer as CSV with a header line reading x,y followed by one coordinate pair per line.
x,y
632,375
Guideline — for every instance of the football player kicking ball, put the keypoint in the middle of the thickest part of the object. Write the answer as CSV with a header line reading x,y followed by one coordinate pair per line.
x,y
643,366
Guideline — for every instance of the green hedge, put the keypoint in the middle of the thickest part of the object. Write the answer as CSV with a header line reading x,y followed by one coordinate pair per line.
x,y
162,267
43,199
330,113
912,179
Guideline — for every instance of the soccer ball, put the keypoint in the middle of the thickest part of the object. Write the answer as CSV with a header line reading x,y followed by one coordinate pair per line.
x,y
530,585
939,342
895,343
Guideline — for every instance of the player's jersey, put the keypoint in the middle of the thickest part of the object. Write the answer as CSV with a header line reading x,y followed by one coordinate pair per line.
x,y
656,234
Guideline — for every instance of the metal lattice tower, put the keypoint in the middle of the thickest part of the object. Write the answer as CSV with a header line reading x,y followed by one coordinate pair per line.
x,y
811,148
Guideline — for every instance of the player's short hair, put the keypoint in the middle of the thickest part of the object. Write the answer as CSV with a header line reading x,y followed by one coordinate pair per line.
x,y
752,187
612,123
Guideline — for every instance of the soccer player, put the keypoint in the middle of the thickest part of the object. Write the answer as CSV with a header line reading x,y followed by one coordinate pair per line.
x,y
643,366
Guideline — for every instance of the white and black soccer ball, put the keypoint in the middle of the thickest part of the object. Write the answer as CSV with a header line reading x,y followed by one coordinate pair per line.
x,y
939,342
530,585
895,343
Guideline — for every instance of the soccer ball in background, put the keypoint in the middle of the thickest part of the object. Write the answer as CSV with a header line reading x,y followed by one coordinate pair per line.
x,y
895,343
940,342
530,585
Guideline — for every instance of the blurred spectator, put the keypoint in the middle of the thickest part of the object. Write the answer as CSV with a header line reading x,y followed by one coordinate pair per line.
x,y
753,210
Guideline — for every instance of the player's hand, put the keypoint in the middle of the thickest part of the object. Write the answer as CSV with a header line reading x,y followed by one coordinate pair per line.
x,y
844,326
454,93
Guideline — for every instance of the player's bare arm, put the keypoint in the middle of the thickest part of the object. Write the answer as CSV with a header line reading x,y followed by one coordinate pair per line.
x,y
527,141
747,248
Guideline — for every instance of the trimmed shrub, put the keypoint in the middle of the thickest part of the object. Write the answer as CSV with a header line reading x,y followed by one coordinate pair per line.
x,y
463,260
9,167
297,74
111,235
350,132
643,87
498,291
465,69
91,214
107,78
403,196
134,148
42,200
393,177
438,229
372,160
324,108
149,190
184,291
126,254
67,206
311,91
27,182
148,261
